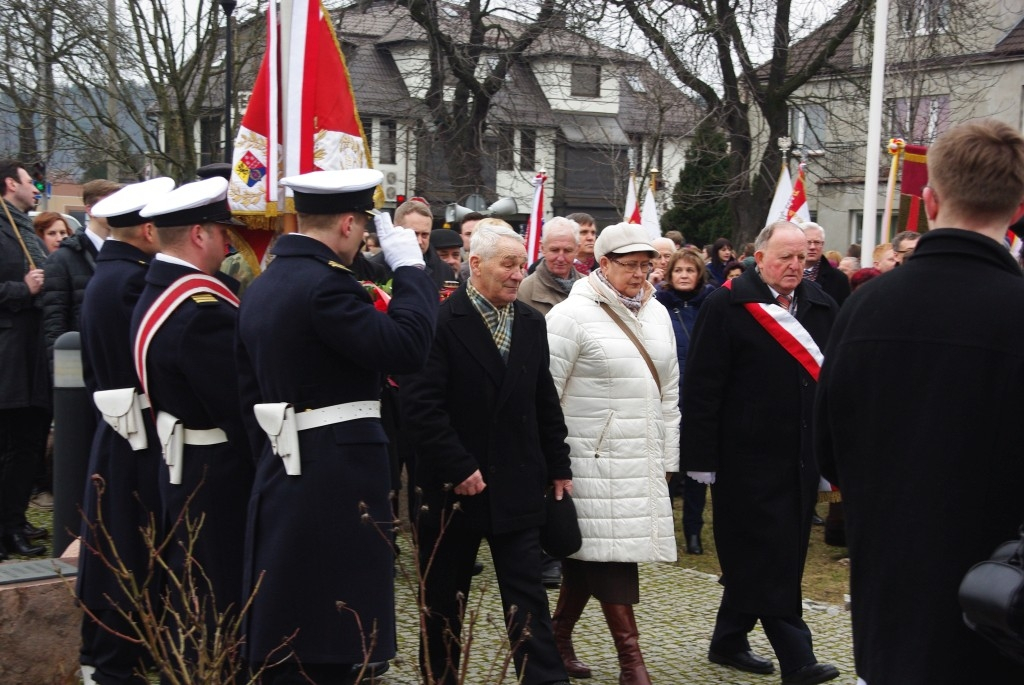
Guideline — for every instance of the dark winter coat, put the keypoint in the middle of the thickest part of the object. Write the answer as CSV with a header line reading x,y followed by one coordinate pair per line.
x,y
24,377
192,375
684,315
309,335
131,477
747,407
833,281
918,422
470,410
68,270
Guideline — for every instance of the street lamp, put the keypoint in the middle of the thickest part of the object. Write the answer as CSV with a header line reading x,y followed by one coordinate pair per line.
x,y
229,7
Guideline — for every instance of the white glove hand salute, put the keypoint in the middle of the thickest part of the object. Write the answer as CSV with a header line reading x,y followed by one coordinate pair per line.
x,y
398,244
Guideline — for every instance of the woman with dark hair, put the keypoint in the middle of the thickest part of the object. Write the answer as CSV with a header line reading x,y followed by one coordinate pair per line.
x,y
51,229
720,255
684,290
733,269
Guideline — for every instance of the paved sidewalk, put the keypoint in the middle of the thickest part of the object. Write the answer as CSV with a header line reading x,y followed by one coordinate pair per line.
x,y
676,615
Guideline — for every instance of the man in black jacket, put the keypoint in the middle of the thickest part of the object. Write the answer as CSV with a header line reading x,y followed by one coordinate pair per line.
x,y
942,334
818,269
24,384
70,267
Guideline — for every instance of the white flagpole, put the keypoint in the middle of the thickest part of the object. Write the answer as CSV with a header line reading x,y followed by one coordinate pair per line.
x,y
867,242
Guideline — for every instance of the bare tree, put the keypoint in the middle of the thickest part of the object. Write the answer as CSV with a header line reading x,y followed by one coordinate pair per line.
x,y
716,48
134,85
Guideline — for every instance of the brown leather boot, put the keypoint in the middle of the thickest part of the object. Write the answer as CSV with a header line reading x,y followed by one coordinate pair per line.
x,y
571,601
622,623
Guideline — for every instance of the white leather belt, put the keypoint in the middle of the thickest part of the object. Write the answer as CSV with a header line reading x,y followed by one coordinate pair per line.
x,y
122,410
282,424
337,413
208,436
144,401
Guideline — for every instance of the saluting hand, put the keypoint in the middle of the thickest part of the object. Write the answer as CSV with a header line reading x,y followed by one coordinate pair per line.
x,y
473,485
398,244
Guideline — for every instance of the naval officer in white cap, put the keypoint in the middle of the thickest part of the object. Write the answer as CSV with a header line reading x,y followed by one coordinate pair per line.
x,y
183,329
318,350
127,458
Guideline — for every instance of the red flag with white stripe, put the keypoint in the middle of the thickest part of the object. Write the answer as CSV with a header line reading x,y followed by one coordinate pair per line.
x,y
631,214
536,223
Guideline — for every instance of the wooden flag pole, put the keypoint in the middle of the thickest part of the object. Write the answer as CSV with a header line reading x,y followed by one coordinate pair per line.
x,y
17,234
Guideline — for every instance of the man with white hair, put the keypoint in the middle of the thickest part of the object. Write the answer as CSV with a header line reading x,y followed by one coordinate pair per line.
x,y
552,280
818,269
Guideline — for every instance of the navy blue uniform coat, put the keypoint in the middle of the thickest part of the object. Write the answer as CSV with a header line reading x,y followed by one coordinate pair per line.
x,y
192,375
747,407
130,476
309,335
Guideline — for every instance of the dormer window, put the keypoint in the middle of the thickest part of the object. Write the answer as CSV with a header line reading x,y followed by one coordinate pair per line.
x,y
586,80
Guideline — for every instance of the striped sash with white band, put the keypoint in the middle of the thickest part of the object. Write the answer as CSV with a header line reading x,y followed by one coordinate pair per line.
x,y
162,308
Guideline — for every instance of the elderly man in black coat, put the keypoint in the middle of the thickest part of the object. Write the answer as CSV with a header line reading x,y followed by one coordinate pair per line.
x,y
747,401
490,438
941,444
817,267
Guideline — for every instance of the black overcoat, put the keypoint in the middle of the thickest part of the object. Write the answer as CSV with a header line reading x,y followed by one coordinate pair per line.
x,y
309,335
192,374
918,421
470,410
747,407
130,476
24,376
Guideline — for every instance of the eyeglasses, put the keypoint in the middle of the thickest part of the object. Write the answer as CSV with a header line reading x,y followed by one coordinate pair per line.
x,y
817,243
635,266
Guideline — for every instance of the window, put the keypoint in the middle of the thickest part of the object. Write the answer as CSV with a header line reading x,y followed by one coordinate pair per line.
x,y
211,140
505,152
918,120
924,17
368,132
527,149
807,127
586,80
388,141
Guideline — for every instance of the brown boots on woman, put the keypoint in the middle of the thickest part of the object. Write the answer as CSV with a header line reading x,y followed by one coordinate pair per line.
x,y
622,624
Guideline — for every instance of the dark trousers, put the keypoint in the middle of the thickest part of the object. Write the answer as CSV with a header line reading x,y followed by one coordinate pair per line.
x,y
23,432
694,496
116,660
517,564
789,635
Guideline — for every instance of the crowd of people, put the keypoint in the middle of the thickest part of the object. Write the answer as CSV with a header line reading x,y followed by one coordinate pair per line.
x,y
619,371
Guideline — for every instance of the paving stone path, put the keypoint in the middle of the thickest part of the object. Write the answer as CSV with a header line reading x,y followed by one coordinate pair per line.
x,y
676,615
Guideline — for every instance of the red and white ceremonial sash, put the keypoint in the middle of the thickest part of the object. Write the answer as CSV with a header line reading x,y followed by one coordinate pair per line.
x,y
162,308
788,332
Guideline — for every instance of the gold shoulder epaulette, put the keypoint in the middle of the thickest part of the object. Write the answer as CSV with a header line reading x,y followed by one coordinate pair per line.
x,y
204,299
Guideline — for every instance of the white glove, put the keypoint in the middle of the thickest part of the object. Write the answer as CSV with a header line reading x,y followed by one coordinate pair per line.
x,y
705,477
398,244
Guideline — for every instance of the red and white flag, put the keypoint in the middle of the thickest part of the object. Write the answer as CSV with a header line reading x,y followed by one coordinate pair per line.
x,y
631,214
797,210
301,116
649,216
536,223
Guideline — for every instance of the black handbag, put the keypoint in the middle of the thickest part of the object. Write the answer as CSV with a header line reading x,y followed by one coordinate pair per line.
x,y
560,535
992,598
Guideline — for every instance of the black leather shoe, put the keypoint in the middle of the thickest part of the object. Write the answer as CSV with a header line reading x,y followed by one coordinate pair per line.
x,y
373,669
16,543
478,568
817,520
693,545
551,574
3,553
33,533
743,661
809,675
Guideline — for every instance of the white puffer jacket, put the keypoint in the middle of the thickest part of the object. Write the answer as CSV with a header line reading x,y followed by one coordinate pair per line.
x,y
623,434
